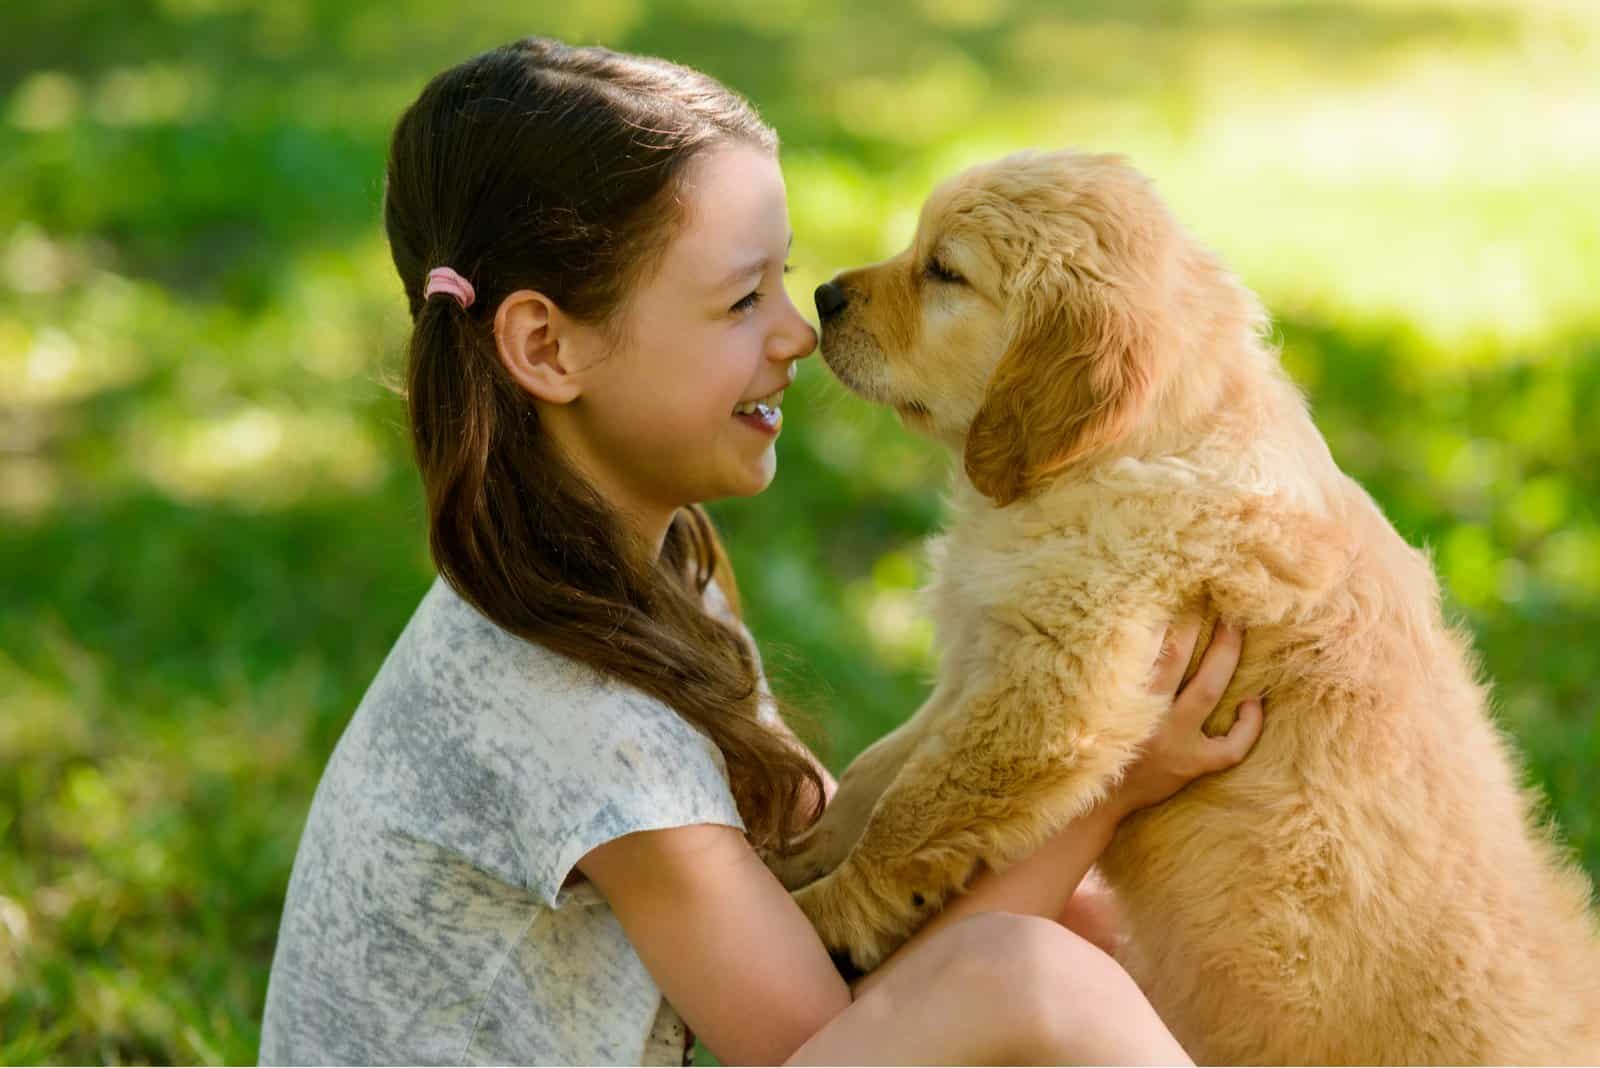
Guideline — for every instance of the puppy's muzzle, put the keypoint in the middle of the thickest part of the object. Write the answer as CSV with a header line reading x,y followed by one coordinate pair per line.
x,y
831,299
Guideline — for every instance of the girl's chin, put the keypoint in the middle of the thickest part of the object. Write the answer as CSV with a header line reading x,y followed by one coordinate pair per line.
x,y
756,478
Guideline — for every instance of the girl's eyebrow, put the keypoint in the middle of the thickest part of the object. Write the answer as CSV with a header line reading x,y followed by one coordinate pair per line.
x,y
752,268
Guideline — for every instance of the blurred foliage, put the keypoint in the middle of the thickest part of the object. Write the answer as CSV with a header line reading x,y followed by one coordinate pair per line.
x,y
210,532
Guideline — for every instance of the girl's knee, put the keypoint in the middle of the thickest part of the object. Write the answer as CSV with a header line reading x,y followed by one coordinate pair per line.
x,y
1045,985
1032,950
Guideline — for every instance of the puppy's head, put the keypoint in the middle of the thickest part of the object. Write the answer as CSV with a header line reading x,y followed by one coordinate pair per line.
x,y
1030,323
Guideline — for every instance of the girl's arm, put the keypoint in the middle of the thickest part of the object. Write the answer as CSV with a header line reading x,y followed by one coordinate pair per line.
x,y
722,938
738,959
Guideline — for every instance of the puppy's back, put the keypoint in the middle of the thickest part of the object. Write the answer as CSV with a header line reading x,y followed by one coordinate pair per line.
x,y
1369,886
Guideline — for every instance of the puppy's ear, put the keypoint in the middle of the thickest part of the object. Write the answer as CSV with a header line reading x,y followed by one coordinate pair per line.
x,y
1075,377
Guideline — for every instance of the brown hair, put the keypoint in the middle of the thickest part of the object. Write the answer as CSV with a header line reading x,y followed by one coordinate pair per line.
x,y
543,166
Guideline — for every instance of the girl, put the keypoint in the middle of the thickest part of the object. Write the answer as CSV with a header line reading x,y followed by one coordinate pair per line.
x,y
551,806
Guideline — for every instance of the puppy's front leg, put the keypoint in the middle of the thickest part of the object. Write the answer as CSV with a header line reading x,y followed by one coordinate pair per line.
x,y
821,848
1003,771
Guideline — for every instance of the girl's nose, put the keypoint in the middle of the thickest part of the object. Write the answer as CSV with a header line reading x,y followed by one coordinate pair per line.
x,y
797,340
809,342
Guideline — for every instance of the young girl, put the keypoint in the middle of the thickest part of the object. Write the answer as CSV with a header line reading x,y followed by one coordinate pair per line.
x,y
540,838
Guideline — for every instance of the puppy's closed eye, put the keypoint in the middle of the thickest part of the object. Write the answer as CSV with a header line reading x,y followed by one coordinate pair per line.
x,y
940,271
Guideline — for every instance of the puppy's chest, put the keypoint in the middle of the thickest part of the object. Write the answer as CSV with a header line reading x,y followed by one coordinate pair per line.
x,y
1081,551
1025,584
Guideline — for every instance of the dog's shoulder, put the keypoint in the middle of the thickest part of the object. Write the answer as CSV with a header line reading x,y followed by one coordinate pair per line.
x,y
1164,529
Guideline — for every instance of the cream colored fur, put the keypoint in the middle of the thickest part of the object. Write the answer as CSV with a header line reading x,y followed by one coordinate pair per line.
x,y
1368,886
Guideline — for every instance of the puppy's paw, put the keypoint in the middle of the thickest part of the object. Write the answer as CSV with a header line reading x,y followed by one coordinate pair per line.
x,y
851,919
843,922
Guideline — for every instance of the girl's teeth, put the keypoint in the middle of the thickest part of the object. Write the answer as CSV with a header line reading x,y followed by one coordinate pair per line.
x,y
763,407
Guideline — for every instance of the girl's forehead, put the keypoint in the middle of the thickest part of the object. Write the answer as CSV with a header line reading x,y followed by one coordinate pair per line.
x,y
735,212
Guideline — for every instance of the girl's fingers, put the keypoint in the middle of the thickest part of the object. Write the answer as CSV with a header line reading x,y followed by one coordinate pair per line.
x,y
1200,695
1230,748
1177,646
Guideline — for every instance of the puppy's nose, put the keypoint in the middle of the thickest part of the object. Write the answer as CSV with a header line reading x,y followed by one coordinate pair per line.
x,y
830,300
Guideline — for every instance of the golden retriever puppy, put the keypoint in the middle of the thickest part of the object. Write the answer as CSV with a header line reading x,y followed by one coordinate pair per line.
x,y
1367,887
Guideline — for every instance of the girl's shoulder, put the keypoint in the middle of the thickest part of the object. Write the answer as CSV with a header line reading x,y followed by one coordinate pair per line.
x,y
446,628
515,755
456,658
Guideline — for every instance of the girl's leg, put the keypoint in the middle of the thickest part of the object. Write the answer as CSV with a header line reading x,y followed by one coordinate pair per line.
x,y
998,989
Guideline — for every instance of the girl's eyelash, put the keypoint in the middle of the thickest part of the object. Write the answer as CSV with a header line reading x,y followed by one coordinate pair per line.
x,y
751,299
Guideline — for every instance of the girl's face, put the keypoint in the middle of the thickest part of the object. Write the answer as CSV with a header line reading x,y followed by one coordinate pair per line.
x,y
656,425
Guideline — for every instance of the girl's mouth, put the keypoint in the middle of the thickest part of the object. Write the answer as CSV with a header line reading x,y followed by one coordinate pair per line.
x,y
762,414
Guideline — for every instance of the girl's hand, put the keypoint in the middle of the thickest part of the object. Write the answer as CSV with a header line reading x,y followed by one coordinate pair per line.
x,y
1179,752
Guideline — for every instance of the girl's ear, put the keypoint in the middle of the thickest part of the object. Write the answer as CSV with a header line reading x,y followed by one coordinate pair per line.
x,y
529,336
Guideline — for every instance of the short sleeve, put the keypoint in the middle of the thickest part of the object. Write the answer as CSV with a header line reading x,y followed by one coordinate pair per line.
x,y
623,763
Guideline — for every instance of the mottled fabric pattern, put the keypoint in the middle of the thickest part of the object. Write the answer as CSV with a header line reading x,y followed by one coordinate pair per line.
x,y
426,920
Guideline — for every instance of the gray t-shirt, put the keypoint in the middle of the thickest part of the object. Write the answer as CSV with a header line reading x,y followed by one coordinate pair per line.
x,y
426,920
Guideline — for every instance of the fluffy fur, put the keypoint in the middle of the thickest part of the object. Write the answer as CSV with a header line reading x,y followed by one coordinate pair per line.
x,y
1368,886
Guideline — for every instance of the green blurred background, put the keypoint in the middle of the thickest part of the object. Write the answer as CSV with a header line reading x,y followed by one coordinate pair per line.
x,y
210,531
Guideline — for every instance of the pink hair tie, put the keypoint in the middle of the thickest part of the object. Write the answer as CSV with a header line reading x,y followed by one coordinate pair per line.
x,y
445,280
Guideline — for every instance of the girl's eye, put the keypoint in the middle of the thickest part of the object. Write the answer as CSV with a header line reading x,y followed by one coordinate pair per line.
x,y
944,274
751,299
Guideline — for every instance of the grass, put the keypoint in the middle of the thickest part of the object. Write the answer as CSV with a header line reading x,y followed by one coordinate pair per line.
x,y
210,532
